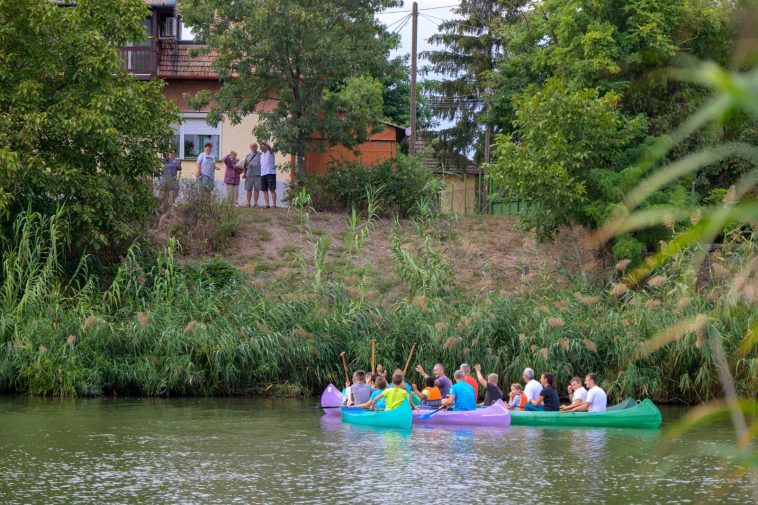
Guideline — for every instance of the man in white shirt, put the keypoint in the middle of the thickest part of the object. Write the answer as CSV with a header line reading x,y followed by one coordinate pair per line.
x,y
532,388
596,400
577,393
268,174
206,169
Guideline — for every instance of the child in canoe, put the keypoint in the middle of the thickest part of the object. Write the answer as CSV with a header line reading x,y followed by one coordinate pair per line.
x,y
431,395
381,385
394,396
517,398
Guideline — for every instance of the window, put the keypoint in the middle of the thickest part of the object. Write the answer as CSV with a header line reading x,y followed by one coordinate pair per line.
x,y
191,136
185,32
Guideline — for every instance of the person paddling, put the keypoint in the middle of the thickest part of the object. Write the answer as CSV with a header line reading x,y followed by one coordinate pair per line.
x,y
394,396
492,392
461,396
548,398
577,393
596,401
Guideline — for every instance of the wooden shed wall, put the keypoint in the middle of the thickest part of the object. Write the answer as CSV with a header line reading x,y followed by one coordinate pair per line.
x,y
380,147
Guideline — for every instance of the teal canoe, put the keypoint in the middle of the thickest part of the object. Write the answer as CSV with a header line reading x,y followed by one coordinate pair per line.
x,y
400,417
627,414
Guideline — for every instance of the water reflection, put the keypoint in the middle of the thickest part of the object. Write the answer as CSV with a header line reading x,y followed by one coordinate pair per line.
x,y
284,451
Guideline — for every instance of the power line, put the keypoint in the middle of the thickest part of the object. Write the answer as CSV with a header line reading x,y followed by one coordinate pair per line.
x,y
404,18
400,28
424,9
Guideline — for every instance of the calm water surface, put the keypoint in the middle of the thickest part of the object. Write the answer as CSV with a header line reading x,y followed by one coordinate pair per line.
x,y
284,451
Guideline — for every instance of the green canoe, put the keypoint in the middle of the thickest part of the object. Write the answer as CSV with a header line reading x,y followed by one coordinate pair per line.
x,y
400,417
627,414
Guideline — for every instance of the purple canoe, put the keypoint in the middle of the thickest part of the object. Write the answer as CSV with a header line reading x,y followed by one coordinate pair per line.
x,y
495,415
331,397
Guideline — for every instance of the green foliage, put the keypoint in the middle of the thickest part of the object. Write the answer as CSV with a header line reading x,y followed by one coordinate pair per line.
x,y
471,46
561,155
75,127
203,222
396,94
218,272
160,329
397,185
620,52
303,53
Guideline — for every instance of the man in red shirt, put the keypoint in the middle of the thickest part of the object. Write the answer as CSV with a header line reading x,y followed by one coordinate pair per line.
x,y
470,380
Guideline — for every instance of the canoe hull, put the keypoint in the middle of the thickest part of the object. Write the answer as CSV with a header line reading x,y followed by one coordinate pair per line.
x,y
644,415
331,397
396,418
496,415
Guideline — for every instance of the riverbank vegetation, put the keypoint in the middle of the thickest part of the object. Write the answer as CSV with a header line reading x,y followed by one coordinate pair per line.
x,y
163,328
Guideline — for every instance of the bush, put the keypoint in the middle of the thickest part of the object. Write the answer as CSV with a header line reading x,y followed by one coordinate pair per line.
x,y
403,183
203,222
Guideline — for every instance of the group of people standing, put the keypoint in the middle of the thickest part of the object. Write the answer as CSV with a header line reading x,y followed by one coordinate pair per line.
x,y
372,391
258,169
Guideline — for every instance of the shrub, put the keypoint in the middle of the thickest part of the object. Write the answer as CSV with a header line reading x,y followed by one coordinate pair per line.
x,y
403,185
203,222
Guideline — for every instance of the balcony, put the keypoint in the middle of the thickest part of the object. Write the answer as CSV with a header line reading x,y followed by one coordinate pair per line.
x,y
140,61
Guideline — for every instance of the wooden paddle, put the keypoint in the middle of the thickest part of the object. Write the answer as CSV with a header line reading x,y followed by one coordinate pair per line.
x,y
373,358
344,365
408,363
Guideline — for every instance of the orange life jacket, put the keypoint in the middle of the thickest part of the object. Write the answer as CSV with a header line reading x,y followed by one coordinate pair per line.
x,y
433,393
522,403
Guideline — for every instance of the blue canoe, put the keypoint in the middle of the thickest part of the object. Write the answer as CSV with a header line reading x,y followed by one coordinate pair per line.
x,y
399,417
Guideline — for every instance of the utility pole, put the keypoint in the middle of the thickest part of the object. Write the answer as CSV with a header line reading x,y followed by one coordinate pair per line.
x,y
483,199
414,56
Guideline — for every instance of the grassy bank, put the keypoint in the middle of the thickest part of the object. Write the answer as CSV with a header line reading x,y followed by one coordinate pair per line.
x,y
160,328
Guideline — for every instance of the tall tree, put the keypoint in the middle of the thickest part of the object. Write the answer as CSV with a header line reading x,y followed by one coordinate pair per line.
x,y
611,52
471,47
299,53
75,128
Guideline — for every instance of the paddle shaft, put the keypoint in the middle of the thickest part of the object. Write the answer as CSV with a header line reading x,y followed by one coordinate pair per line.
x,y
373,357
410,356
427,416
344,365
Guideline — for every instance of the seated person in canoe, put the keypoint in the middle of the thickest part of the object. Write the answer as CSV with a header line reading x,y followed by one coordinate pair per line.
x,y
381,385
492,391
517,399
469,379
440,379
532,388
596,400
461,396
430,396
370,380
548,398
577,393
359,392
394,396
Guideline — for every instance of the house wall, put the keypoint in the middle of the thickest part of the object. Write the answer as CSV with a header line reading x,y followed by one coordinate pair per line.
x,y
235,137
459,193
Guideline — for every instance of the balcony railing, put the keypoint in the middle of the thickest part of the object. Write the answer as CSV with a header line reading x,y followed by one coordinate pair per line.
x,y
141,61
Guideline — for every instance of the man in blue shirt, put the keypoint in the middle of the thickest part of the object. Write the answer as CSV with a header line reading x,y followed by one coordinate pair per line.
x,y
461,395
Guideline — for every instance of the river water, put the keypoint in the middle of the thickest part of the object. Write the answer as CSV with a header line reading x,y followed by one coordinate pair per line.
x,y
241,450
